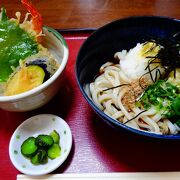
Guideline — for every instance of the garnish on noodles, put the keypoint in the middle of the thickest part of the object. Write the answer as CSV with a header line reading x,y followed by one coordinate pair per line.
x,y
143,89
24,62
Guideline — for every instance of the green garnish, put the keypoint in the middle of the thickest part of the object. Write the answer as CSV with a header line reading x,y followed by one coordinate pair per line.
x,y
15,45
164,96
40,148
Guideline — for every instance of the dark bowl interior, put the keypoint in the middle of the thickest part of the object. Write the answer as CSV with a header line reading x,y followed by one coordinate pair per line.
x,y
113,37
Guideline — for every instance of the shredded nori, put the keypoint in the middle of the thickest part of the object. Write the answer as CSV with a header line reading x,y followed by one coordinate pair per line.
x,y
168,54
115,87
135,117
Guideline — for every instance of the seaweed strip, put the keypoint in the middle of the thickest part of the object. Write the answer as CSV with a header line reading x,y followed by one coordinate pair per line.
x,y
135,117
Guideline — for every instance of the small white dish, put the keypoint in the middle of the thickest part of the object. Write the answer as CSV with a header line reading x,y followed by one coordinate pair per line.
x,y
39,124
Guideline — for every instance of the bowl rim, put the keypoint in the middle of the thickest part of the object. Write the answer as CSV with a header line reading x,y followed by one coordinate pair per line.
x,y
39,88
104,116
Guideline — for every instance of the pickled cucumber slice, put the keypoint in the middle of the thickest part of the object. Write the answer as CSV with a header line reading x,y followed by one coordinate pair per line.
x,y
35,159
39,149
54,151
27,78
40,157
29,147
54,134
44,141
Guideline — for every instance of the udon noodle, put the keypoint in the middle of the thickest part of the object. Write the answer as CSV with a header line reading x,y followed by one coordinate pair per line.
x,y
117,90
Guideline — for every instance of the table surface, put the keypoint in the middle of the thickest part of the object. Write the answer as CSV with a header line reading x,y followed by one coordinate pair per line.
x,y
97,147
62,14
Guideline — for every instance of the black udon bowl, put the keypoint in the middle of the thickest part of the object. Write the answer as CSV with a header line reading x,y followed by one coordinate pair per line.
x,y
113,37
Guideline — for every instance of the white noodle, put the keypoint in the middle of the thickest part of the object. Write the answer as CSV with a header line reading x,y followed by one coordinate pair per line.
x,y
110,101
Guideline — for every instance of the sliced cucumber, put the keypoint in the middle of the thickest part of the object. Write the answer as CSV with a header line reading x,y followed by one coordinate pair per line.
x,y
35,159
29,147
54,151
38,149
44,141
54,134
40,157
43,157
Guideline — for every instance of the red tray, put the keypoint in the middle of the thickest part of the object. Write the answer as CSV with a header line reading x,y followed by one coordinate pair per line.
x,y
96,146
